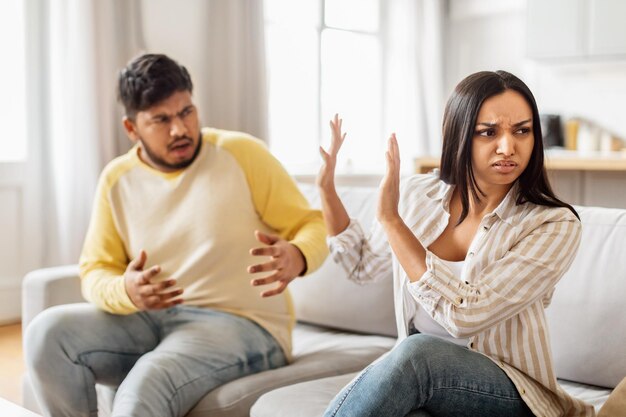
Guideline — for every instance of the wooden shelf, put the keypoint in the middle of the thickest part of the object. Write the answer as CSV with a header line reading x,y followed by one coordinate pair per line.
x,y
556,161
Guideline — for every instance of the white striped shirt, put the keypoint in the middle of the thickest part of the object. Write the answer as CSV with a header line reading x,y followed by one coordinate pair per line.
x,y
518,255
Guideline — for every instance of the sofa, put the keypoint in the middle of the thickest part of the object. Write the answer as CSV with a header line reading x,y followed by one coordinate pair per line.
x,y
343,326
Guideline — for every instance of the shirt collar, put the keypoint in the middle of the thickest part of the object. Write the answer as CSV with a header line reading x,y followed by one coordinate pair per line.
x,y
506,210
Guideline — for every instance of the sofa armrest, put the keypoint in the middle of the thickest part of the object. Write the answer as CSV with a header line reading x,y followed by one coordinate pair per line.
x,y
48,287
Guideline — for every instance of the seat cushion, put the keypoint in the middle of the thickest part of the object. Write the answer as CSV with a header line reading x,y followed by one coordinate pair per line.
x,y
585,317
310,399
327,297
317,352
306,399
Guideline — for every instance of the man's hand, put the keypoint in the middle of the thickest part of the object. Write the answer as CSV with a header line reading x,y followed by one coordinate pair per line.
x,y
143,293
286,263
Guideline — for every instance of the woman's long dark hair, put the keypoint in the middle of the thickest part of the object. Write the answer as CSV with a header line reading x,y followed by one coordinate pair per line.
x,y
459,122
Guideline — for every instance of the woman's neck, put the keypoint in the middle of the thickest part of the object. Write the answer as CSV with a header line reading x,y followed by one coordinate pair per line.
x,y
491,199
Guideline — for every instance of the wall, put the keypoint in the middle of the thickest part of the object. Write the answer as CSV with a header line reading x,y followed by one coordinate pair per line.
x,y
491,34
178,29
481,36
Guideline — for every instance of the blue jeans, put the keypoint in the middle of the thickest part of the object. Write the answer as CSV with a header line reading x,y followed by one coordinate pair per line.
x,y
428,376
163,361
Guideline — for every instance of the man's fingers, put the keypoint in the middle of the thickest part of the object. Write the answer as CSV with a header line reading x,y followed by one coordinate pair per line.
x,y
266,238
163,285
266,280
158,302
166,296
279,289
264,267
147,275
266,251
158,288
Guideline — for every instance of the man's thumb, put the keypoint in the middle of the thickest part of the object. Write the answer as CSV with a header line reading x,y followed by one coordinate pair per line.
x,y
266,238
140,261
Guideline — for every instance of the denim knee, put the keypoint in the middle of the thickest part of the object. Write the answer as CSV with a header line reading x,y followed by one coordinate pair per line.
x,y
46,332
416,347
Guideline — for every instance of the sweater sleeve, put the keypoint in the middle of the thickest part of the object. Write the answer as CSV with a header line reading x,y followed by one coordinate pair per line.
x,y
103,259
278,200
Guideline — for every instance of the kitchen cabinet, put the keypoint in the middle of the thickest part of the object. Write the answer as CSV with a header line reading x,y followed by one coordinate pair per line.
x,y
607,31
580,29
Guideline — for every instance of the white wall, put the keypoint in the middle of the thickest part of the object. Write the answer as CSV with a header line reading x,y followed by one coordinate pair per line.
x,y
491,35
178,29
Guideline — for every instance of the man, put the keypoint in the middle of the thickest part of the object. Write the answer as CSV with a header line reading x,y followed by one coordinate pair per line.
x,y
178,226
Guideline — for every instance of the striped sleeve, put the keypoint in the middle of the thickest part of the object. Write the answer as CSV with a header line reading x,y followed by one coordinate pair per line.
x,y
365,259
526,273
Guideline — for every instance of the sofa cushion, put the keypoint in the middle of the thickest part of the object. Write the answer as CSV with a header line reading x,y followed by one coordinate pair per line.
x,y
586,316
307,399
310,399
317,353
328,298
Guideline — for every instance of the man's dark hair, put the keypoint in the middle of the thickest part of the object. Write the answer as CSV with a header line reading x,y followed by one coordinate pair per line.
x,y
459,122
149,79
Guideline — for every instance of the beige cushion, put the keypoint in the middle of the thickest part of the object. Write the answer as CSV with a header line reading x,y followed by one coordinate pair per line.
x,y
586,317
310,399
328,298
307,399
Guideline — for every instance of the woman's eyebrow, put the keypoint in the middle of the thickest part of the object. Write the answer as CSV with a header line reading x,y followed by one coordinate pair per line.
x,y
495,124
522,122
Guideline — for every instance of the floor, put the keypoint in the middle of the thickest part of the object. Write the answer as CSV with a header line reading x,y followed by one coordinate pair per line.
x,y
11,362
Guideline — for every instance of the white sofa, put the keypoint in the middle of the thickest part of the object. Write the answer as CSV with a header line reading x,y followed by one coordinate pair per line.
x,y
343,326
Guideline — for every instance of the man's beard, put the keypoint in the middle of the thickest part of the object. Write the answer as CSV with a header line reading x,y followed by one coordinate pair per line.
x,y
164,164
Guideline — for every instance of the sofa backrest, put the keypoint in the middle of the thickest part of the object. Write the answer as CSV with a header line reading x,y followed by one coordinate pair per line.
x,y
586,319
587,316
327,297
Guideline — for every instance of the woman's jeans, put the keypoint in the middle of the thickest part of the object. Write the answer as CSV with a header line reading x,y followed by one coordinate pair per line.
x,y
163,361
428,376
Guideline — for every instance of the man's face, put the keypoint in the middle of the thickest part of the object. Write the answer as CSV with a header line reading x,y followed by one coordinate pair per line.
x,y
168,132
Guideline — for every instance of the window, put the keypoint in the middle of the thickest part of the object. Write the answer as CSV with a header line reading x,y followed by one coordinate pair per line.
x,y
324,57
12,74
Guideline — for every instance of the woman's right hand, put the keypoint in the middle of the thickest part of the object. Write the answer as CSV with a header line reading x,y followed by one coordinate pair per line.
x,y
326,176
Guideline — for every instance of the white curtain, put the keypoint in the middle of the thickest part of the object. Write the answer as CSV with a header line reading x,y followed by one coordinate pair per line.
x,y
81,44
414,76
236,97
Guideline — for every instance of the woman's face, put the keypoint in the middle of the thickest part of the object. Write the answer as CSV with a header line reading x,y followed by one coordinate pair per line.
x,y
503,140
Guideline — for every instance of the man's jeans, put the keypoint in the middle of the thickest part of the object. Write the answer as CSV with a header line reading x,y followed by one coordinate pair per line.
x,y
163,361
428,376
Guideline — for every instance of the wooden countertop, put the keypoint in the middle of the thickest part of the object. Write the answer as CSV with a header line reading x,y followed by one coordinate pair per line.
x,y
556,160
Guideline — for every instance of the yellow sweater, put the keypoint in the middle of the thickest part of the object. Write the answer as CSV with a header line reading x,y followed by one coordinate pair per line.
x,y
198,225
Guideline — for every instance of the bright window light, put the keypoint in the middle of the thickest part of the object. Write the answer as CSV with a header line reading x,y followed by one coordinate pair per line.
x,y
324,60
12,74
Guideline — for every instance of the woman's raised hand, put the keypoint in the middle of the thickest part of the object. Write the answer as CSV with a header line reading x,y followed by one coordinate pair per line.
x,y
326,175
389,197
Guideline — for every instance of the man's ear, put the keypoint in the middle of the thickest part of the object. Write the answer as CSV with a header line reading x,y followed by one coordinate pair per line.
x,y
130,128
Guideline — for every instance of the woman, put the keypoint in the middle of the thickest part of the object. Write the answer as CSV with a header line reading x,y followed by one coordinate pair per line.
x,y
475,251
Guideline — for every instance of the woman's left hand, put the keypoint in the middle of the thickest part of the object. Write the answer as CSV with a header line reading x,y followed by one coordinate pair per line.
x,y
390,185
